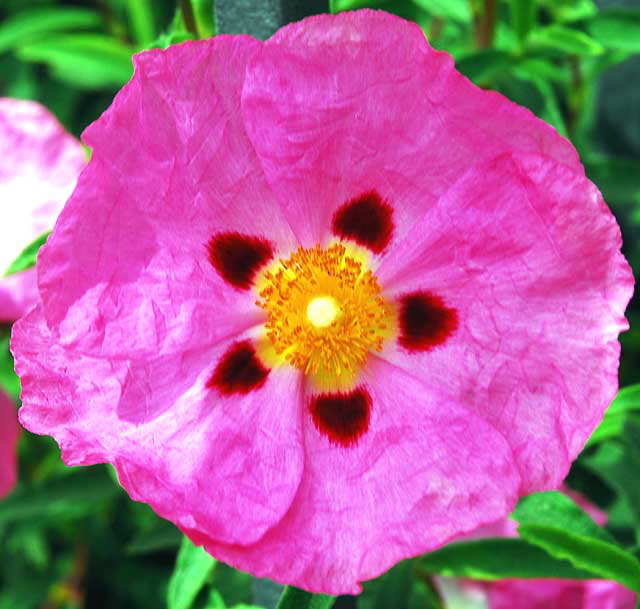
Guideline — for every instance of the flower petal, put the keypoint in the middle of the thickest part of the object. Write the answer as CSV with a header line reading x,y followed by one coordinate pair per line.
x,y
9,433
338,106
425,470
39,166
127,270
228,467
559,594
527,254
18,293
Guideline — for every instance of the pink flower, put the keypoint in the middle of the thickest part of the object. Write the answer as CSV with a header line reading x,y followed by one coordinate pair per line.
x,y
560,594
322,302
9,432
536,593
39,165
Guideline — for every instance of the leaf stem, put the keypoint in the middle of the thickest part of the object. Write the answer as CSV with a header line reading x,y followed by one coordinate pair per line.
x,y
485,23
189,19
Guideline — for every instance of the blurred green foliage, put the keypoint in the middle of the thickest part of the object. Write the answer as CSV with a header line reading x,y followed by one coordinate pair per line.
x,y
71,538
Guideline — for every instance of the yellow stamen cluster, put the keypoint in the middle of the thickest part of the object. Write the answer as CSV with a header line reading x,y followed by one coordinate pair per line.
x,y
325,312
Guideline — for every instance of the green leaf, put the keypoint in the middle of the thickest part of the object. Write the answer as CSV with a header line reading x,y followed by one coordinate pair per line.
x,y
499,558
294,598
617,178
550,110
457,10
567,11
164,536
215,601
534,67
628,399
483,66
141,17
523,17
192,570
618,463
626,402
393,589
174,34
599,557
557,510
9,380
565,40
617,29
83,60
76,494
203,13
36,24
28,256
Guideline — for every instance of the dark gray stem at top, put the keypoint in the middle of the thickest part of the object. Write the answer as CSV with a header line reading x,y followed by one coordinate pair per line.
x,y
261,18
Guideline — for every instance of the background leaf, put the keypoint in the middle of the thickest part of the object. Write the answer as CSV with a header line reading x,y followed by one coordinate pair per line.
x,y
563,39
36,24
193,568
83,60
499,558
604,559
28,256
557,510
294,598
617,29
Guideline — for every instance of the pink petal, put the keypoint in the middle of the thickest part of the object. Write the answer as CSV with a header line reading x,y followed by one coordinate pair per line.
x,y
560,594
39,165
426,469
527,253
127,270
9,433
537,594
337,106
228,467
608,595
18,293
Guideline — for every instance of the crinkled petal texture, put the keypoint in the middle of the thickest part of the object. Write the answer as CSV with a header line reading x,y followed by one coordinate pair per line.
x,y
426,470
528,254
229,470
142,215
339,106
9,432
39,165
260,145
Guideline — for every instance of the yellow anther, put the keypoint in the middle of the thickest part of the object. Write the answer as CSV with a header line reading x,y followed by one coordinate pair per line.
x,y
325,312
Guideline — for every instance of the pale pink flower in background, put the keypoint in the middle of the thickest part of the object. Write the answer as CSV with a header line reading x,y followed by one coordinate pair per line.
x,y
322,302
560,594
535,593
9,432
39,166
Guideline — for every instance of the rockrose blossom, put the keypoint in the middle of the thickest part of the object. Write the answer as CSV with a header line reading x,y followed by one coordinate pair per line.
x,y
39,166
322,302
9,432
536,594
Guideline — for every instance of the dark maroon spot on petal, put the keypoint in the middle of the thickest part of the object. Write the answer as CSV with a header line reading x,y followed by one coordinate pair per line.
x,y
425,321
239,370
365,219
342,417
238,257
